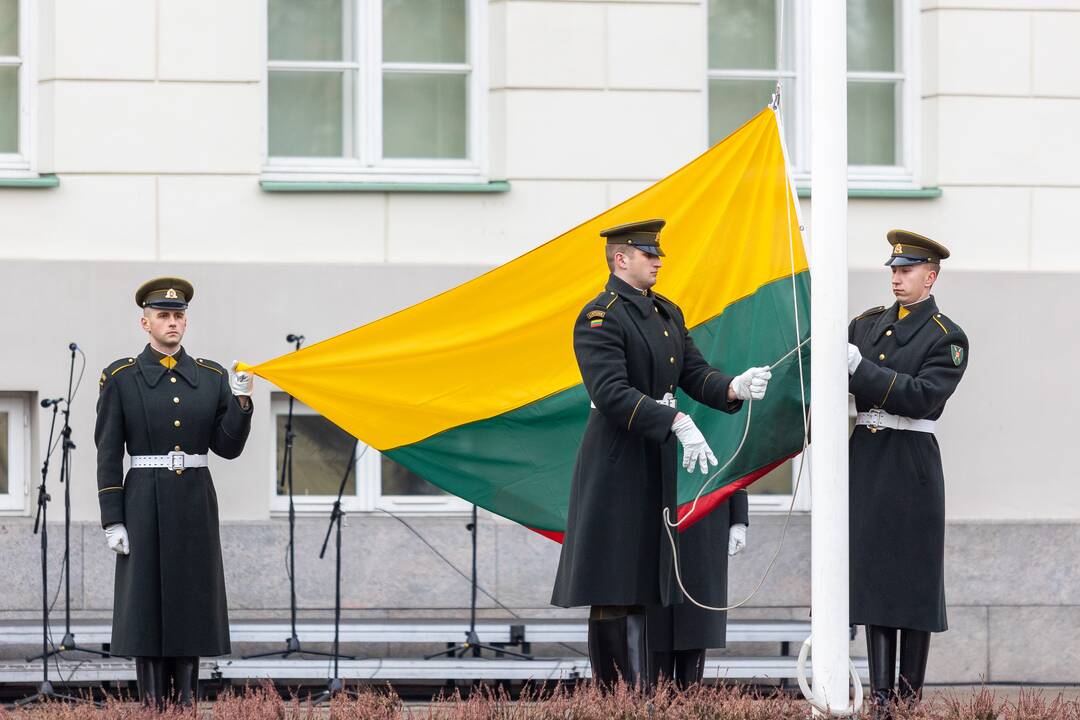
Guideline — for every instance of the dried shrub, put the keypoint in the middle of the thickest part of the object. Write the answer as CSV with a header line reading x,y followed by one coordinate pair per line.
x,y
559,702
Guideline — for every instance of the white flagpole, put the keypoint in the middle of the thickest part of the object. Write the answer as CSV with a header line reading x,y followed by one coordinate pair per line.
x,y
828,350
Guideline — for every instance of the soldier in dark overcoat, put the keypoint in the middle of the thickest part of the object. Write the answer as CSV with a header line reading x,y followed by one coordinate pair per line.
x,y
633,350
167,409
680,635
905,361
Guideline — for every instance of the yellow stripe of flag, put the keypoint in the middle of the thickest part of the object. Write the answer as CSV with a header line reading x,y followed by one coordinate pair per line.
x,y
504,339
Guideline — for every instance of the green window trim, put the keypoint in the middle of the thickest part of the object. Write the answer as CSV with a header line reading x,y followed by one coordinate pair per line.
x,y
41,181
496,186
926,193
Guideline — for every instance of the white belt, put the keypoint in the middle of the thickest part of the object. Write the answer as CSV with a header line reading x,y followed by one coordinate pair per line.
x,y
878,419
668,400
172,461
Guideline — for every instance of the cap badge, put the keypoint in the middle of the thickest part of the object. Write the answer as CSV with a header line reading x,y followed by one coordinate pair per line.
x,y
170,294
897,249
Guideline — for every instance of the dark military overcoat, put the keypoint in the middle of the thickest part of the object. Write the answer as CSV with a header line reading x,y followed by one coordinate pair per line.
x,y
910,367
170,591
632,348
703,562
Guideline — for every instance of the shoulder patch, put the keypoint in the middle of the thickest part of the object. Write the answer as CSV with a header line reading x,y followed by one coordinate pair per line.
x,y
209,365
956,352
595,314
872,311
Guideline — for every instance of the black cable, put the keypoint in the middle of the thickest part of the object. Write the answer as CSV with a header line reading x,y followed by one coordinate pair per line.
x,y
463,574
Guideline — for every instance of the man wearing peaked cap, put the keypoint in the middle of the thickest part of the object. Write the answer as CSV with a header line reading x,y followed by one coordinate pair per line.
x,y
633,350
904,363
168,409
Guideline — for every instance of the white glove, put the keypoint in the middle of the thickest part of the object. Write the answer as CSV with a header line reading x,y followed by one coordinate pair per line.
x,y
117,539
695,450
751,384
854,357
240,382
736,539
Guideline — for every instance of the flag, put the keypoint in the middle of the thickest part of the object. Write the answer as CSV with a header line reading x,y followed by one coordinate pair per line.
x,y
477,389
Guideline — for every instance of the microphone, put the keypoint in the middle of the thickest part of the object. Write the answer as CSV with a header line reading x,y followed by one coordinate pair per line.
x,y
72,347
47,402
294,338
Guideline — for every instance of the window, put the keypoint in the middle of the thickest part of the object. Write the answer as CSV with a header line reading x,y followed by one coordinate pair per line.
x,y
772,493
321,453
14,454
16,89
747,55
378,90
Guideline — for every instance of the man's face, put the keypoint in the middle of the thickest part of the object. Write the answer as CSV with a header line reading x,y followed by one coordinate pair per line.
x,y
166,327
639,268
912,283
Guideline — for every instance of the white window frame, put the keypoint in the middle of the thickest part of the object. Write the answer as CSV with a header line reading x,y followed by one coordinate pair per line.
x,y
364,109
21,164
775,504
903,175
368,498
15,500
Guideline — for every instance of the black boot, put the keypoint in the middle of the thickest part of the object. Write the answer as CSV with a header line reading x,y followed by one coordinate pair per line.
x,y
617,649
689,667
184,677
881,656
914,651
150,677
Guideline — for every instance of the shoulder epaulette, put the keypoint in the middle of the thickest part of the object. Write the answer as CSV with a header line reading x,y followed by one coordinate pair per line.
x,y
117,365
944,323
872,311
210,365
606,299
114,367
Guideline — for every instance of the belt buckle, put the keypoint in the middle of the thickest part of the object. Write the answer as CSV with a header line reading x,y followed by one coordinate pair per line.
x,y
176,460
876,415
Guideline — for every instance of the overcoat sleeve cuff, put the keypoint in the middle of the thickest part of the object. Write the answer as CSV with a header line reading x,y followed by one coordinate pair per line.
x,y
652,420
740,508
111,501
871,383
237,420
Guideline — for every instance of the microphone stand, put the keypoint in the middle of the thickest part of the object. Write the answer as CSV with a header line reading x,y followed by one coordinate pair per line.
x,y
45,692
334,686
68,643
472,640
292,643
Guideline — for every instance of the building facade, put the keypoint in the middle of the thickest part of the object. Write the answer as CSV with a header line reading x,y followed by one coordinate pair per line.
x,y
312,166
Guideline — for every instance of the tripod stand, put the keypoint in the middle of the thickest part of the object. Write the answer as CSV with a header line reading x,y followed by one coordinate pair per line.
x,y
472,640
67,644
334,685
45,691
292,643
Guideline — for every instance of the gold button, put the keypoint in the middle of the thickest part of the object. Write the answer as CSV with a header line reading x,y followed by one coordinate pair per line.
x,y
672,360
172,379
177,448
665,333
873,430
888,332
176,423
179,472
176,400
881,356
